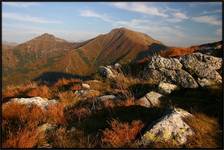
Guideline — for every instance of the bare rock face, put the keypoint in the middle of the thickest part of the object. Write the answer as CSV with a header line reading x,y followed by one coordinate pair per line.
x,y
186,71
203,66
41,102
152,99
166,88
170,127
167,63
178,77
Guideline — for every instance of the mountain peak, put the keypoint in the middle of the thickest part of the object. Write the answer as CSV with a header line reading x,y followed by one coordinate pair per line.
x,y
47,35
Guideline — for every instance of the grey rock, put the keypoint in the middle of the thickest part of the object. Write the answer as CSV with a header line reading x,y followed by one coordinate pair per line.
x,y
166,88
107,97
168,63
206,83
151,99
169,127
202,66
40,102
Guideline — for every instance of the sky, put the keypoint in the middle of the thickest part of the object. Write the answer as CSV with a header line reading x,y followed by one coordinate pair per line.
x,y
173,23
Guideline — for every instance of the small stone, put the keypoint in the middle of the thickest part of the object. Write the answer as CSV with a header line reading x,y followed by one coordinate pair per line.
x,y
166,88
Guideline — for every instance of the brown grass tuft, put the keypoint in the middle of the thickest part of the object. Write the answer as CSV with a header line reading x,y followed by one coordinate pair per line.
x,y
121,134
56,114
207,132
41,91
62,138
15,91
27,138
68,97
63,81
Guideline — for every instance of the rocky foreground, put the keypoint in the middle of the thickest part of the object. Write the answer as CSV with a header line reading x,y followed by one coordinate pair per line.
x,y
164,76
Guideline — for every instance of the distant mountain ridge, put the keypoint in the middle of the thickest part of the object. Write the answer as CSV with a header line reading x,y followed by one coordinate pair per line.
x,y
47,53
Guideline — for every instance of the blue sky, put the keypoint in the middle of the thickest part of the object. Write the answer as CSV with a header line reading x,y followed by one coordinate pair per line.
x,y
173,23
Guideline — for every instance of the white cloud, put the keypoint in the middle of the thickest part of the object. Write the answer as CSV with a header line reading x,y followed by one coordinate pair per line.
x,y
91,13
27,18
212,12
180,15
140,8
21,4
207,19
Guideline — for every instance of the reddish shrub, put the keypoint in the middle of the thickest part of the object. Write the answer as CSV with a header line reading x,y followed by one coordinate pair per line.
x,y
56,114
27,138
63,81
121,134
42,91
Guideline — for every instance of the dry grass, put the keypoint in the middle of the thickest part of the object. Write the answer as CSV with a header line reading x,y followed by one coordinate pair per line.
x,y
207,132
68,97
55,114
19,125
62,138
74,113
121,134
41,91
63,81
26,138
23,115
15,91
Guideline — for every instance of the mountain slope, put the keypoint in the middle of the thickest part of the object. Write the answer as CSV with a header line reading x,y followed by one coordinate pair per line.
x,y
48,53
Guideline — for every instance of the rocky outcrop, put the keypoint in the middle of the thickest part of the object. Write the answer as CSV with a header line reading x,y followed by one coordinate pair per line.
x,y
41,102
151,99
188,71
160,62
166,88
202,66
169,127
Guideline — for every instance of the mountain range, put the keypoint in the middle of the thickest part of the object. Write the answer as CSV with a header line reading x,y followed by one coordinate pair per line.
x,y
47,53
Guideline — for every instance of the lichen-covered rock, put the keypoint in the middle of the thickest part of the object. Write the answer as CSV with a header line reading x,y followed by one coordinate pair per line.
x,y
177,77
151,99
169,127
41,102
166,88
205,82
168,63
202,66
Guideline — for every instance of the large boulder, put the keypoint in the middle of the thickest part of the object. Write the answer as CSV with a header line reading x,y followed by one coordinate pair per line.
x,y
177,77
168,63
169,127
151,99
202,66
40,102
